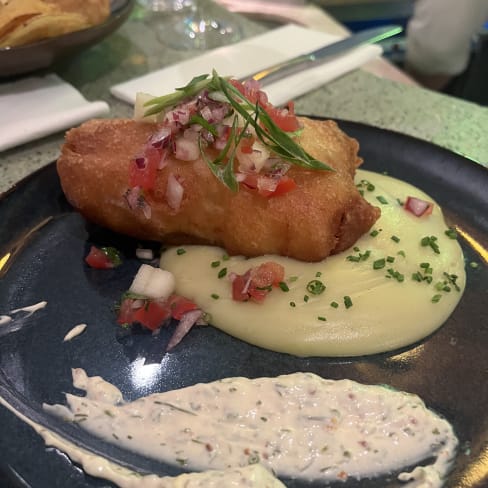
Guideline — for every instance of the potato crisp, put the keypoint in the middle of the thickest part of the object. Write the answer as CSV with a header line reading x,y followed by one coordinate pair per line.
x,y
27,21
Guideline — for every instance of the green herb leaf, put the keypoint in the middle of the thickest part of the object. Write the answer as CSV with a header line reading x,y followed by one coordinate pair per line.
x,y
276,140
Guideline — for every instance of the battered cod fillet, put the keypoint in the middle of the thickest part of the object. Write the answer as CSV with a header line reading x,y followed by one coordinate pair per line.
x,y
323,215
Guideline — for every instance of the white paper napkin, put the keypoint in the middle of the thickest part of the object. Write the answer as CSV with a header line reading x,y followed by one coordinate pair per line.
x,y
34,107
251,55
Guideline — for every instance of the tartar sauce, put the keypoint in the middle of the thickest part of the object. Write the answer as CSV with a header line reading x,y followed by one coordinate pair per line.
x,y
297,426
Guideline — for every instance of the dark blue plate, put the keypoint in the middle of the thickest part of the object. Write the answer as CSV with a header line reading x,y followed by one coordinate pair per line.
x,y
448,370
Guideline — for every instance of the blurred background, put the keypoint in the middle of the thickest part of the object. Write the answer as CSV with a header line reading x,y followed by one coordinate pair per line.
x,y
471,84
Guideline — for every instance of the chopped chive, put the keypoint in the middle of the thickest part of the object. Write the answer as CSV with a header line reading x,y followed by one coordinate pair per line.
x,y
354,259
215,296
180,251
417,276
334,304
347,301
365,255
395,239
323,319
436,298
318,274
451,279
402,253
390,259
293,304
225,257
382,200
441,286
222,273
374,233
305,298
360,256
315,287
283,286
379,264
365,184
430,241
451,233
395,275
215,264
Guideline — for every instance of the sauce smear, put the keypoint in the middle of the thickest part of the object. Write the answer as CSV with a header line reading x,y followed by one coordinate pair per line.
x,y
298,426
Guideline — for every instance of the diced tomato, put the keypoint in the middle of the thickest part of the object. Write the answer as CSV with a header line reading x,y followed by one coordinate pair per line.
x,y
258,294
255,182
285,184
152,315
246,144
257,282
250,89
180,305
126,312
238,286
143,169
283,118
418,206
251,181
268,274
102,258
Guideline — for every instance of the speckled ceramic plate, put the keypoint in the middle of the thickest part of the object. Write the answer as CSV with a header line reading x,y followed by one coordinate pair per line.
x,y
448,370
39,55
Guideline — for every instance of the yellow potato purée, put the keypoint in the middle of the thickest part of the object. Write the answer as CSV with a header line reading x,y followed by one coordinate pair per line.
x,y
397,285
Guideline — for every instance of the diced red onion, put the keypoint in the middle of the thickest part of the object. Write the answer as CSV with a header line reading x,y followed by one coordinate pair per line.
x,y
146,210
247,285
192,133
252,84
163,162
161,138
219,112
186,149
206,113
188,320
240,177
174,192
137,304
417,206
267,184
132,197
141,162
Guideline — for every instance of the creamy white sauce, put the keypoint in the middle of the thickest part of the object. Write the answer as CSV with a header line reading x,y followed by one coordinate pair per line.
x,y
254,476
12,323
74,332
385,314
5,319
30,309
297,425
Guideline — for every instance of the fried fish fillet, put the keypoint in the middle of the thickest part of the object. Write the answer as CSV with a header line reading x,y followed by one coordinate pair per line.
x,y
323,215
